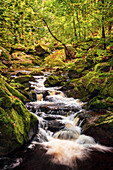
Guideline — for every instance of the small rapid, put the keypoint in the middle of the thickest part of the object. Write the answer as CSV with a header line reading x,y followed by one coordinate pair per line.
x,y
59,141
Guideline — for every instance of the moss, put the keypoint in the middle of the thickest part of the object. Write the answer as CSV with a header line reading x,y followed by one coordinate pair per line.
x,y
106,120
41,49
24,79
4,54
15,119
2,66
36,72
16,85
16,93
55,59
102,67
19,47
54,80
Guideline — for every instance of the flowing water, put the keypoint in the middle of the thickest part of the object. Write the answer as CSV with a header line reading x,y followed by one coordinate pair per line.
x,y
59,129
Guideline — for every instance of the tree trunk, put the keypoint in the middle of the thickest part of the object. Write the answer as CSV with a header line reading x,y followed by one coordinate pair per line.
x,y
103,29
74,26
67,52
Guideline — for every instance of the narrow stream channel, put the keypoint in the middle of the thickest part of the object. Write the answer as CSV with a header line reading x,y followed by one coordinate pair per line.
x,y
59,135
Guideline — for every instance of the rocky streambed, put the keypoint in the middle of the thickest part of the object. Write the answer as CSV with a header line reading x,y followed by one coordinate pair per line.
x,y
63,139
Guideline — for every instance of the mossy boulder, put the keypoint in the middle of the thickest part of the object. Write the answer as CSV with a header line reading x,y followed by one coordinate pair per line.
x,y
5,57
17,124
94,88
54,81
74,88
99,84
102,67
100,103
56,59
37,61
41,49
18,47
72,73
36,72
101,128
22,84
21,59
24,80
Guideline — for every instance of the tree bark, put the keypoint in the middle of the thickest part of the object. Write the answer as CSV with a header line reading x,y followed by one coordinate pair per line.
x,y
103,29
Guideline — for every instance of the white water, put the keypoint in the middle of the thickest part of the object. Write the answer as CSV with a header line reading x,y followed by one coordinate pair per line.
x,y
67,144
55,99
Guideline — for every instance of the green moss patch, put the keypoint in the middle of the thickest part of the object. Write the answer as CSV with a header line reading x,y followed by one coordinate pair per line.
x,y
15,119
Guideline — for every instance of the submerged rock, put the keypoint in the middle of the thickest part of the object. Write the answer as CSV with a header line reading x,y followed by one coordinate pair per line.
x,y
17,124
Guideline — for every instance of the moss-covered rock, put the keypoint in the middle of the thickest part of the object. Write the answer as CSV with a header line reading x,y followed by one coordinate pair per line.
x,y
23,79
54,81
94,88
74,88
18,47
55,59
4,57
99,103
16,122
102,67
36,72
22,84
37,61
21,59
41,49
101,129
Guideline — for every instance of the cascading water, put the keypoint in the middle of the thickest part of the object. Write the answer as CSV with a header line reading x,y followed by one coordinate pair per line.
x,y
59,131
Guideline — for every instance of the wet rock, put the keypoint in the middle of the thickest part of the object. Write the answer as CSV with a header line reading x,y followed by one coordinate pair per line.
x,y
100,128
53,81
20,73
51,107
73,74
36,72
54,125
24,79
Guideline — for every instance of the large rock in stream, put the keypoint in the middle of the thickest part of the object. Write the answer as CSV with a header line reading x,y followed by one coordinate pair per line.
x,y
100,127
17,124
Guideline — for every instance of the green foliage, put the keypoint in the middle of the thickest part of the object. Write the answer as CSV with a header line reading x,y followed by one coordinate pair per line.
x,y
18,22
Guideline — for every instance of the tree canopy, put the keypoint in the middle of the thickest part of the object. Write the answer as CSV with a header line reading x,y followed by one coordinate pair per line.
x,y
69,20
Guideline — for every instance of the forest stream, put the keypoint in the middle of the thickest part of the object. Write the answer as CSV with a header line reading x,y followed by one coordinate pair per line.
x,y
59,142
